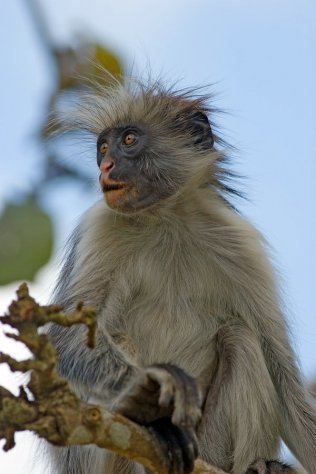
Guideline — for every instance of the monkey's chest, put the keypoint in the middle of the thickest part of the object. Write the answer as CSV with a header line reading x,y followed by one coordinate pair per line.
x,y
162,314
157,335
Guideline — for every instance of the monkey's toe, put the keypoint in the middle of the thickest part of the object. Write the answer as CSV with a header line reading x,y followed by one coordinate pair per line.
x,y
181,445
260,466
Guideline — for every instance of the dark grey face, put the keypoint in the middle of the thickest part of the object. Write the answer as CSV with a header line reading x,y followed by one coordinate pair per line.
x,y
128,176
125,144
136,173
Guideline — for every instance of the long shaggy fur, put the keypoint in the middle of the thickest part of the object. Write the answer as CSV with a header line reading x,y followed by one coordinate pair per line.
x,y
163,108
186,282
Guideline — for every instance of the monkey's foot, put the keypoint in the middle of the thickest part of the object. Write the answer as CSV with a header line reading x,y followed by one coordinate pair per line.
x,y
269,467
181,444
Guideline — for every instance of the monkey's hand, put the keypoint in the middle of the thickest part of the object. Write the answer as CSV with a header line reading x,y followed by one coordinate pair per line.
x,y
167,400
161,390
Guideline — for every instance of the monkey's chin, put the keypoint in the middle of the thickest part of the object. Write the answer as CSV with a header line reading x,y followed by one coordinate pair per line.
x,y
127,200
115,198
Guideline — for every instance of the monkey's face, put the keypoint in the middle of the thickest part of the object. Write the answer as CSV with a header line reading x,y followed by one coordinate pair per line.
x,y
122,156
141,166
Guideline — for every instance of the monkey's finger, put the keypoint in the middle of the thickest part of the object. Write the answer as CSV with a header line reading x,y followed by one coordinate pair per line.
x,y
181,445
167,392
185,414
193,402
166,384
172,395
189,443
179,391
186,399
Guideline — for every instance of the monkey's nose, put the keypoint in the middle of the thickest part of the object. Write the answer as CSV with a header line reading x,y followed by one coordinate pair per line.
x,y
106,167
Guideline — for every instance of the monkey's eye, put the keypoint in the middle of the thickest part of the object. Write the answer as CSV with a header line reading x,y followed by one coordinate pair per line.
x,y
103,148
129,139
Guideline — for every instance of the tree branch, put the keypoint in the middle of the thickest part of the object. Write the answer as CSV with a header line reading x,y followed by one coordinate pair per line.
x,y
47,406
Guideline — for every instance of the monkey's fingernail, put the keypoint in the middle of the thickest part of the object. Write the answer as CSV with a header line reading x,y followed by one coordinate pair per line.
x,y
179,418
166,394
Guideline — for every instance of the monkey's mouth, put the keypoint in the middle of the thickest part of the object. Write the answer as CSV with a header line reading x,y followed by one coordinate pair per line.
x,y
113,187
115,193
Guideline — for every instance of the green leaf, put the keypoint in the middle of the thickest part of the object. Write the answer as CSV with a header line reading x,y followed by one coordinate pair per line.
x,y
26,241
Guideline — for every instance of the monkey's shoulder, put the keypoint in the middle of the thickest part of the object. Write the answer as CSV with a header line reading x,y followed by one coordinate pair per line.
x,y
201,242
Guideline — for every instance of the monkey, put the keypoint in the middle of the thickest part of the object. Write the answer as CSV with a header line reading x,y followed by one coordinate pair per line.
x,y
192,340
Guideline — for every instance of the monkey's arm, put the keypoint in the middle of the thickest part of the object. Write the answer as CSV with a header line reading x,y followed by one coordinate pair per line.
x,y
261,310
296,409
162,397
263,385
100,372
143,394
240,410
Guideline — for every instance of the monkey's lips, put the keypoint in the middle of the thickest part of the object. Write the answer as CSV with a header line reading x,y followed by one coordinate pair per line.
x,y
113,187
114,191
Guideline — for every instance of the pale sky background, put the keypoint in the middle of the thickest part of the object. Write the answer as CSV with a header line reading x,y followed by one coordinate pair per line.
x,y
260,54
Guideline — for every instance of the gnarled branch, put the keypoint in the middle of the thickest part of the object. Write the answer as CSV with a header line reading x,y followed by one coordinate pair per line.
x,y
49,408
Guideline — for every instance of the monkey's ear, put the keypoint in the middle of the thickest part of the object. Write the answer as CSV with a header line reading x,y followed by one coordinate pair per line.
x,y
199,126
201,130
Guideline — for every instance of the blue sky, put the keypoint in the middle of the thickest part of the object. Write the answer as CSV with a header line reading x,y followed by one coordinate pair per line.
x,y
260,56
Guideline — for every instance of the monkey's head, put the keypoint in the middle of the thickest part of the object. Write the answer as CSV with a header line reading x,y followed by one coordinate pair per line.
x,y
152,144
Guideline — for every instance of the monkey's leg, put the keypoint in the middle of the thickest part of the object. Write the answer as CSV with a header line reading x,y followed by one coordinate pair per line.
x,y
240,420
